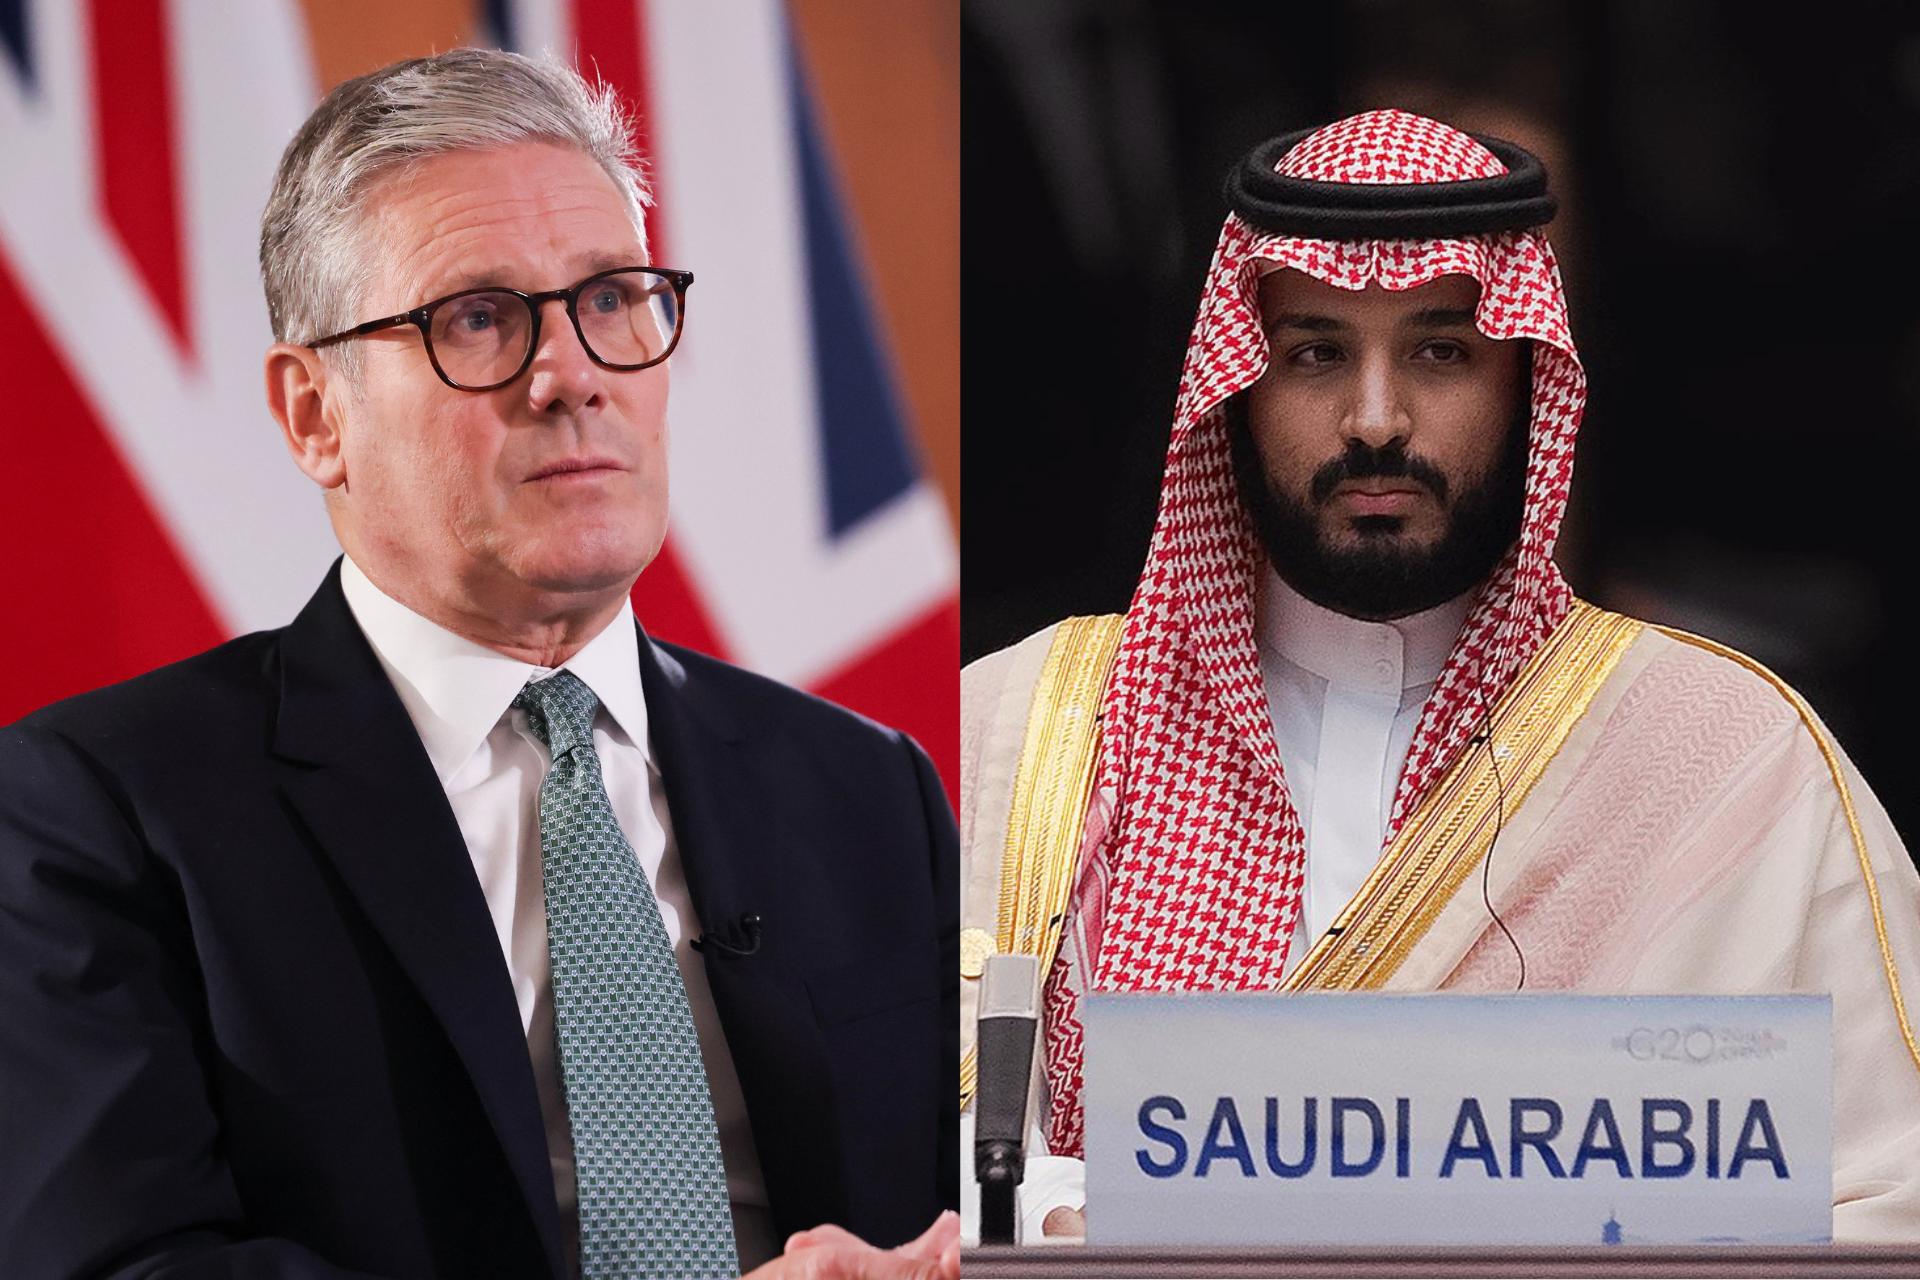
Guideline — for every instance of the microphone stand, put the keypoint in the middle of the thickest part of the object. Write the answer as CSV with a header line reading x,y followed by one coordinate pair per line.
x,y
1008,1026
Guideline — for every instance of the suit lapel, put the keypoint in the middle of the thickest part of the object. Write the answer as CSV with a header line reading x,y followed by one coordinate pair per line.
x,y
363,784
717,796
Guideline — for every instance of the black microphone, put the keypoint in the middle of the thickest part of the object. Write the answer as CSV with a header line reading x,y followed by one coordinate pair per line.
x,y
742,940
1008,1024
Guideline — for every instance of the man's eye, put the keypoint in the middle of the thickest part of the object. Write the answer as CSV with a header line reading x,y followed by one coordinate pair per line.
x,y
476,317
1314,354
607,300
1442,351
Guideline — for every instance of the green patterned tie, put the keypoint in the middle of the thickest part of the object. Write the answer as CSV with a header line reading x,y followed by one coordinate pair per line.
x,y
652,1191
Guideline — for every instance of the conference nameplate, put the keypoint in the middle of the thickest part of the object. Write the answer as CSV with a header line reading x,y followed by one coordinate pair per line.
x,y
1458,1119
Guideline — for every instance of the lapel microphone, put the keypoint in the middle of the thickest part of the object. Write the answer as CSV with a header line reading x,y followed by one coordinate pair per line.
x,y
743,939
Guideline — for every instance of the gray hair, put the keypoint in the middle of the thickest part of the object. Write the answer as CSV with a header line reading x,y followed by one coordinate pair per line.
x,y
312,262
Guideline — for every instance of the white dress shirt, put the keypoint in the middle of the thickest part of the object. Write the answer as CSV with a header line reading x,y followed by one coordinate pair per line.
x,y
459,695
1345,697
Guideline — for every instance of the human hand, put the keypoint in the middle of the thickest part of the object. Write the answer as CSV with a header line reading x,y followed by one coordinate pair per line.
x,y
833,1253
1065,1223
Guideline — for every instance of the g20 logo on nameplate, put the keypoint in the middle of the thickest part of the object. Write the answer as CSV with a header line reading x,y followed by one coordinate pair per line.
x,y
1437,1119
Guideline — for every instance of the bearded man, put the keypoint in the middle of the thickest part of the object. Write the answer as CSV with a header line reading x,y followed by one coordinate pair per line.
x,y
1354,731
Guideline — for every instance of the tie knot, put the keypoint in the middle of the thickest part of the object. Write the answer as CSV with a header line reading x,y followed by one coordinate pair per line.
x,y
559,711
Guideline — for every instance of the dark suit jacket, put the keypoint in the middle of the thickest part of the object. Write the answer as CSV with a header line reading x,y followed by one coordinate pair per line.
x,y
254,1019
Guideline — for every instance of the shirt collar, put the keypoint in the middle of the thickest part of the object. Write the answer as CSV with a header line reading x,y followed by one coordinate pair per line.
x,y
1378,657
455,690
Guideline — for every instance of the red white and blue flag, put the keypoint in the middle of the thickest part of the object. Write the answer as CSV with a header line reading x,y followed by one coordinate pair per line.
x,y
147,507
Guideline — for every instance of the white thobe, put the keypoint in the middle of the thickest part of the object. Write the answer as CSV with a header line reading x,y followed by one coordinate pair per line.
x,y
1345,697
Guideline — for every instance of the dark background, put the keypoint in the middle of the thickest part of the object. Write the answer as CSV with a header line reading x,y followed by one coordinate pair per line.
x,y
1740,210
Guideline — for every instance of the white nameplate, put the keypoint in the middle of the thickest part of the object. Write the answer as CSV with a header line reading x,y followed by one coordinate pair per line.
x,y
1458,1119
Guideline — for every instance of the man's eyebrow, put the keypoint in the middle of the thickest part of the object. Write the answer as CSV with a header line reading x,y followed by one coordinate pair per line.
x,y
1442,318
1429,318
499,277
1305,320
472,278
607,260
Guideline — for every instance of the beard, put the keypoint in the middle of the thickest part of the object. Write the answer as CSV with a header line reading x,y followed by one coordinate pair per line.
x,y
1377,575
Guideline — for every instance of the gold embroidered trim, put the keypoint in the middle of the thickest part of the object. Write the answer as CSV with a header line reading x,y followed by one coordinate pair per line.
x,y
1050,787
1451,831
1832,758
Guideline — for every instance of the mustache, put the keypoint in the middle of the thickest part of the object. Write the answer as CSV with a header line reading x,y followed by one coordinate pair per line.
x,y
1362,461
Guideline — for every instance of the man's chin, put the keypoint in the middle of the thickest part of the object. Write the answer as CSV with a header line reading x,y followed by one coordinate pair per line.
x,y
1377,549
1376,578
586,565
1363,535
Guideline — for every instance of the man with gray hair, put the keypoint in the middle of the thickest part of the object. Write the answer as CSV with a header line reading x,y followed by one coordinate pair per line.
x,y
458,928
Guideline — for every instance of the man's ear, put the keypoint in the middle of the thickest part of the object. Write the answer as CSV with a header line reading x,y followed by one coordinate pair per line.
x,y
307,400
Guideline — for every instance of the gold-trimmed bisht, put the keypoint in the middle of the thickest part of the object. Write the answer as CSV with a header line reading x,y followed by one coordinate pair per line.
x,y
1437,847
1832,757
1051,784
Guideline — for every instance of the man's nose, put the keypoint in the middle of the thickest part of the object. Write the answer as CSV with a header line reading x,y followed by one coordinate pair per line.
x,y
1377,413
563,377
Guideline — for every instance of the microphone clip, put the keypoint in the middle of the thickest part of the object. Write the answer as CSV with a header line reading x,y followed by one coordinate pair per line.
x,y
743,939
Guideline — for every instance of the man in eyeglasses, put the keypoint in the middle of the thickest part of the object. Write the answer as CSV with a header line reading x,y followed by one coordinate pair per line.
x,y
458,928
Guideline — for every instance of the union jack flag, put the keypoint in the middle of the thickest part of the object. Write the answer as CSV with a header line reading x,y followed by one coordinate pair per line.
x,y
148,508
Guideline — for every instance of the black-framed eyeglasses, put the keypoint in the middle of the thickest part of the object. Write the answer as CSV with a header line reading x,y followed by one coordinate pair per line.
x,y
482,339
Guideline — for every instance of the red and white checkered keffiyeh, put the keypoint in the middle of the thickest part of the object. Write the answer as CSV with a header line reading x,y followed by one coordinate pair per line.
x,y
1195,883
